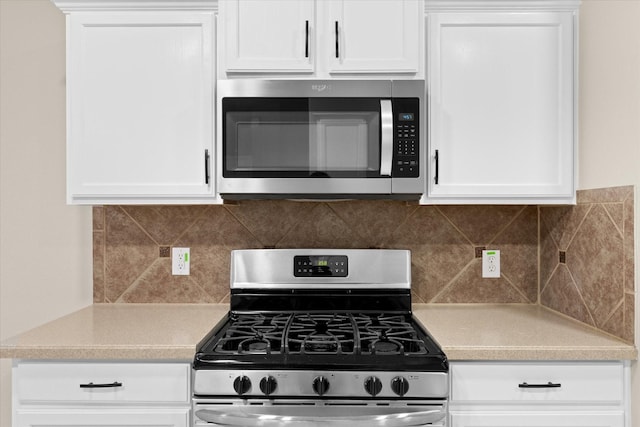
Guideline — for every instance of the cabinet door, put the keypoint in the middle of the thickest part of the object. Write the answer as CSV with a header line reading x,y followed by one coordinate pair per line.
x,y
538,418
140,106
377,36
91,417
501,112
268,35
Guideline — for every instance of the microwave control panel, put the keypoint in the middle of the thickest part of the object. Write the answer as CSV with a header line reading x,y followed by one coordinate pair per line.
x,y
406,141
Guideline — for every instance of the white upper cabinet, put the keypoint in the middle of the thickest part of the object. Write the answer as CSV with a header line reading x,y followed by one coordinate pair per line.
x,y
267,35
374,36
502,108
321,38
140,106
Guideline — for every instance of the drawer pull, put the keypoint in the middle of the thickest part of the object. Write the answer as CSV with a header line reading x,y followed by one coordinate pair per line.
x,y
108,385
547,385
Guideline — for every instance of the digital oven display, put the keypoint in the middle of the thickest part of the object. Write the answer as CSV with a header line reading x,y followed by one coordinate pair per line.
x,y
320,266
406,117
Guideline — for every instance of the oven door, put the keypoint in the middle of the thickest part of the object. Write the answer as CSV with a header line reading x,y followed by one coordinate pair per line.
x,y
280,137
303,413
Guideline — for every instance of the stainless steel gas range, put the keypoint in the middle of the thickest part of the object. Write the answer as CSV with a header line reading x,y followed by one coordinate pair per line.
x,y
320,337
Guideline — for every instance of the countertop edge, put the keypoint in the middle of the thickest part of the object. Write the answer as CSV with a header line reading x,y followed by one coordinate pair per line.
x,y
551,354
141,353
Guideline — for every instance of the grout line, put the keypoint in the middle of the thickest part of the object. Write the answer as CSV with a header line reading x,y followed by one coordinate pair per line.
x,y
606,211
503,229
455,227
300,219
195,220
575,285
579,226
517,289
613,311
138,225
243,225
451,282
413,212
544,288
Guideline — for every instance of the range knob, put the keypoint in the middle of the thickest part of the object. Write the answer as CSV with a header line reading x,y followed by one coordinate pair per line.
x,y
320,385
400,386
268,385
242,384
373,385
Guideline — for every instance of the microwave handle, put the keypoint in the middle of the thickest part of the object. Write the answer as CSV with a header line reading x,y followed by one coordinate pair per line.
x,y
386,136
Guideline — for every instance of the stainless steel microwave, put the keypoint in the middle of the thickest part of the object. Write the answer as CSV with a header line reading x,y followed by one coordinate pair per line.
x,y
321,139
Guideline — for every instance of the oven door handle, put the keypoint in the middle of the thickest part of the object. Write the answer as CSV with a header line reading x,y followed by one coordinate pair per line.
x,y
237,418
386,137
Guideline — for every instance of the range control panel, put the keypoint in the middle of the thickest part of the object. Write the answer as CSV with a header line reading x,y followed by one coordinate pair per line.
x,y
320,266
406,137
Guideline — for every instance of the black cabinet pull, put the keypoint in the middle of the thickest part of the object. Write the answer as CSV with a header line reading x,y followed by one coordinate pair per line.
x,y
547,385
337,42
306,39
206,167
437,158
107,385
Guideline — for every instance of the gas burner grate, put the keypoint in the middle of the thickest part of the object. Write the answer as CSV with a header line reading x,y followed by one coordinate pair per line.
x,y
387,335
253,334
314,333
327,334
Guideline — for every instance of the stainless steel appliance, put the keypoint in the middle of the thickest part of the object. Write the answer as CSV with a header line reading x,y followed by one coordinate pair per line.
x,y
320,337
320,139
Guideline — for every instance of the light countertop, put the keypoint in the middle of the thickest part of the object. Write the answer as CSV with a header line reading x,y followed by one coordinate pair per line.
x,y
516,332
119,331
172,332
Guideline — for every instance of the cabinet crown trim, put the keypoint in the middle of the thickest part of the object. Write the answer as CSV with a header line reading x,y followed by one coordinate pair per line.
x,y
68,6
497,5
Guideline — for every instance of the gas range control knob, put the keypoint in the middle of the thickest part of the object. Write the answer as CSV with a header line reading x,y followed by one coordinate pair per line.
x,y
242,384
320,385
268,385
373,385
400,386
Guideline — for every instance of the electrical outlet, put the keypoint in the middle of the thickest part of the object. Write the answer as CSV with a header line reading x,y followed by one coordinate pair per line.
x,y
491,263
180,261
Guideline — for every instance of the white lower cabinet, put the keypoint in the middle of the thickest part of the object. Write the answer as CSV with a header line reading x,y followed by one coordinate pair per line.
x,y
89,394
537,418
539,394
90,417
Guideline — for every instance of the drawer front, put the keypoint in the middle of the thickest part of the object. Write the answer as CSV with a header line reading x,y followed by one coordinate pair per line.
x,y
92,417
531,382
537,419
37,382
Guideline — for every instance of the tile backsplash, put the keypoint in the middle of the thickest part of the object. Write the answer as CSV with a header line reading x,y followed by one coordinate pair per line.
x,y
594,284
587,259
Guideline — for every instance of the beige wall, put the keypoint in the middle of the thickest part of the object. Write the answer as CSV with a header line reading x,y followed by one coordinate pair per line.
x,y
609,152
35,224
45,246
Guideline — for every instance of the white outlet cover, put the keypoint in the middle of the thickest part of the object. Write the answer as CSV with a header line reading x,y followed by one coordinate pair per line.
x,y
491,264
180,261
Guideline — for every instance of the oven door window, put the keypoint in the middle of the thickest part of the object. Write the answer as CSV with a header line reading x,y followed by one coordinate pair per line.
x,y
301,137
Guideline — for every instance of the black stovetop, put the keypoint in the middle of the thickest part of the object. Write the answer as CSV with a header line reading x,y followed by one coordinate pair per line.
x,y
340,340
